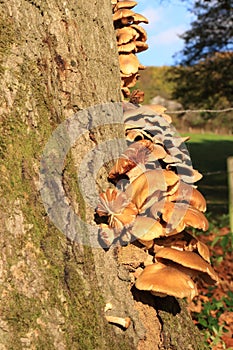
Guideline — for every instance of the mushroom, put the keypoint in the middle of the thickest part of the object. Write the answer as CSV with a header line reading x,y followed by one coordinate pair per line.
x,y
137,96
142,36
125,91
188,262
138,18
143,187
120,321
186,172
183,241
160,110
125,35
131,80
134,135
140,46
128,47
128,63
138,154
141,66
124,5
188,194
182,215
146,229
130,131
125,16
171,179
116,206
150,187
147,243
162,280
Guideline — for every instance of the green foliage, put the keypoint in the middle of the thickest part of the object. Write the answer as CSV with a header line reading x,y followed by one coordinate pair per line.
x,y
210,32
153,81
209,154
208,318
205,85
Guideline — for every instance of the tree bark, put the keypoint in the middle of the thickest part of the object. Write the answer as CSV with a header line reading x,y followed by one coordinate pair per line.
x,y
57,58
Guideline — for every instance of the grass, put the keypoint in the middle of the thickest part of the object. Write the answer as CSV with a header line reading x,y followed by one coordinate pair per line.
x,y
209,153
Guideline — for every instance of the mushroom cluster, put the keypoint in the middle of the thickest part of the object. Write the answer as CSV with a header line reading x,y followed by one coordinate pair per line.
x,y
154,203
131,39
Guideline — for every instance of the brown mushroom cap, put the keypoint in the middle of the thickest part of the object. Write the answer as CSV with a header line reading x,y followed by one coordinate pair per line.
x,y
143,187
133,134
187,193
124,5
128,63
183,241
129,47
138,153
129,129
142,35
165,280
189,260
146,243
146,228
125,91
131,80
140,46
122,13
186,172
137,96
171,178
138,18
125,35
184,215
160,110
117,206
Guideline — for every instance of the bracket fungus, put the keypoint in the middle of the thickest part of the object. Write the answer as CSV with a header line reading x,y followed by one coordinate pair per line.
x,y
189,262
162,280
158,200
131,39
157,205
117,208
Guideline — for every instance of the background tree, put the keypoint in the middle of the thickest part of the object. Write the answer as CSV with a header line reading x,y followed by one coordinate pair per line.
x,y
211,31
203,75
55,59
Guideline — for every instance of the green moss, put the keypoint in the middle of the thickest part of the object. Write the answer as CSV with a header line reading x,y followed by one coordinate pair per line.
x,y
71,186
7,38
22,312
63,267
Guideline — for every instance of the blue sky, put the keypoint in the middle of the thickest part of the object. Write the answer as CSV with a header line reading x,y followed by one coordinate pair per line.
x,y
167,19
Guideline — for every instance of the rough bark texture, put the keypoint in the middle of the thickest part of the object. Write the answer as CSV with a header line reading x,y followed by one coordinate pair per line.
x,y
57,57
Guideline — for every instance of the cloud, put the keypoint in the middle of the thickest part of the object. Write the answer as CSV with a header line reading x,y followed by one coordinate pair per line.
x,y
154,15
168,36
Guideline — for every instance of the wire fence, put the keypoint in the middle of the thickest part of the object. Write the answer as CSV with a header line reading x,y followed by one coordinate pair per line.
x,y
201,111
217,172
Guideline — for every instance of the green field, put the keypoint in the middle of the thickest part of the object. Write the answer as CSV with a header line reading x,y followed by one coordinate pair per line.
x,y
209,153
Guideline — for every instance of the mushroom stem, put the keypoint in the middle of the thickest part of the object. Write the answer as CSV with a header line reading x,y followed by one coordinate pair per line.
x,y
123,322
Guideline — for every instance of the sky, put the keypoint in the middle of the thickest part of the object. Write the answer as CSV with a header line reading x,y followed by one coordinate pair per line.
x,y
167,19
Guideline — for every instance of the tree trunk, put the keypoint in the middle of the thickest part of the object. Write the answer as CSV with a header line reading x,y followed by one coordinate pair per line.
x,y
57,58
